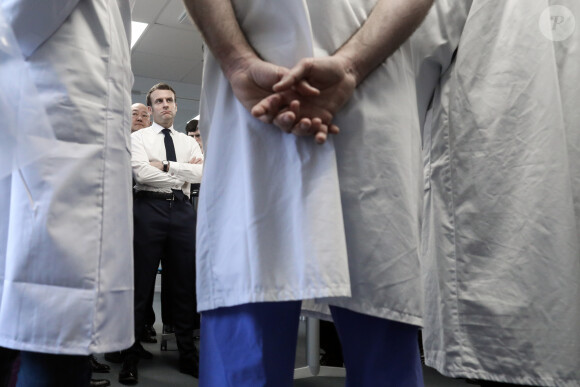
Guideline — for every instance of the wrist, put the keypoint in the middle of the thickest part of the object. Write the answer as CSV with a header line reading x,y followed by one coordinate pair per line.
x,y
239,63
350,66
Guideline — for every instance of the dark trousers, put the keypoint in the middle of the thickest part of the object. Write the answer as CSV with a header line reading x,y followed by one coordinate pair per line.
x,y
255,345
47,370
166,313
165,230
149,312
330,342
8,360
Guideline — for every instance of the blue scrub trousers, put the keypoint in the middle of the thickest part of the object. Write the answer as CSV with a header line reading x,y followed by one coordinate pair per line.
x,y
254,345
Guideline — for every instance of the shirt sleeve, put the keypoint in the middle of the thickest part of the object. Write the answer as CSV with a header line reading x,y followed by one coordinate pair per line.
x,y
144,173
190,173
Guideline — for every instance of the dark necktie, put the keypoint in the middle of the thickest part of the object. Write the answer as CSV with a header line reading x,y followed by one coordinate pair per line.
x,y
169,147
170,154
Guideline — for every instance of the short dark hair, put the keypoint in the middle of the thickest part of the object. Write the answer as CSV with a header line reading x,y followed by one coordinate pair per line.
x,y
191,126
160,86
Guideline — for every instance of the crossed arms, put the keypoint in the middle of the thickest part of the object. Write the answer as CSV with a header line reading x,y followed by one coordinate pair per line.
x,y
148,169
304,100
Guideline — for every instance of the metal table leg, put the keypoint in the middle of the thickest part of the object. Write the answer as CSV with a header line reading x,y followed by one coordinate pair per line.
x,y
313,367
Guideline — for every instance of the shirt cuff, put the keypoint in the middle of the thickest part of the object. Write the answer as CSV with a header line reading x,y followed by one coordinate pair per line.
x,y
173,172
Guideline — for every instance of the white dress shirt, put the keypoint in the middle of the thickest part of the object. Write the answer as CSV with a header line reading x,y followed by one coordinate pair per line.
x,y
148,145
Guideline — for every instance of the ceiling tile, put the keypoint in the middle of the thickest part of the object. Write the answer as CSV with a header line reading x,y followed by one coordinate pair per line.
x,y
160,67
194,75
148,11
171,14
170,41
168,49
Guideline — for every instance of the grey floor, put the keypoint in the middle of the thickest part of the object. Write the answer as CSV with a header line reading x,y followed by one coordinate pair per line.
x,y
162,371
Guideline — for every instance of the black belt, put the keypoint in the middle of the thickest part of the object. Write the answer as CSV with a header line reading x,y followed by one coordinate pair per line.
x,y
159,195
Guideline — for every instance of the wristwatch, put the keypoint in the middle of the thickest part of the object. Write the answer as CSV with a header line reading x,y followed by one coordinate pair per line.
x,y
165,165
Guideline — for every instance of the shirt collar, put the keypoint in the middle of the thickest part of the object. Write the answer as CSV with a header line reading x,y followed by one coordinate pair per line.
x,y
158,128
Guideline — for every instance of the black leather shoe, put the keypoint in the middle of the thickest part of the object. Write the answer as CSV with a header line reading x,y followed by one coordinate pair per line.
x,y
189,365
98,367
149,335
100,383
143,353
115,357
129,373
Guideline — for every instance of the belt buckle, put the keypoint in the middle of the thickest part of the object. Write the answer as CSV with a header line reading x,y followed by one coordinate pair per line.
x,y
172,198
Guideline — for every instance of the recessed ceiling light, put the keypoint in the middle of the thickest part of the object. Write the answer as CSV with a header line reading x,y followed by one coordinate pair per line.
x,y
137,29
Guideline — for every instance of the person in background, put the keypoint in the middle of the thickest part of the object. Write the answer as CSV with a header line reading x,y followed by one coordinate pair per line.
x,y
140,117
192,129
165,164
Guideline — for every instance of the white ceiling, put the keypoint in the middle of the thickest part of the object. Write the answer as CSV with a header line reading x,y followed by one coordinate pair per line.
x,y
170,50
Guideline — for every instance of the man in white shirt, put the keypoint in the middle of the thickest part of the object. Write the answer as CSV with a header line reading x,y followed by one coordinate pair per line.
x,y
165,163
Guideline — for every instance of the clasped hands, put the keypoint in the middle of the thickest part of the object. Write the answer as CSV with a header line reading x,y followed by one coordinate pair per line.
x,y
302,100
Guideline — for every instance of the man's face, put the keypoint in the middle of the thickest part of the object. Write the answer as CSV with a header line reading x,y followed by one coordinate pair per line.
x,y
163,107
140,117
197,137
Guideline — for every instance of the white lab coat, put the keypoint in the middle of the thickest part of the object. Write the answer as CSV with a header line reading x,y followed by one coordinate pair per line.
x,y
65,225
502,195
281,218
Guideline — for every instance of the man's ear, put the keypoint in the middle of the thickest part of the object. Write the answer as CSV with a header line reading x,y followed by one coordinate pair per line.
x,y
149,110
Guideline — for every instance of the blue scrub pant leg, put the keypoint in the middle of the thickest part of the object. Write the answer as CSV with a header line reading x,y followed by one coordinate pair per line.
x,y
48,370
249,345
378,352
